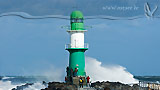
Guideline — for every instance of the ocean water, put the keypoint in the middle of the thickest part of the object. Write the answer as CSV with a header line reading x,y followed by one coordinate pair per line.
x,y
152,79
10,82
98,72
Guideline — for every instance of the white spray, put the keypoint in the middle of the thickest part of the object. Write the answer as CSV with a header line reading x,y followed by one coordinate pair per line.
x,y
7,85
113,73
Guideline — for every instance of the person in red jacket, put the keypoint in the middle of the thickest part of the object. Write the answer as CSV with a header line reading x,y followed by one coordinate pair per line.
x,y
88,81
66,79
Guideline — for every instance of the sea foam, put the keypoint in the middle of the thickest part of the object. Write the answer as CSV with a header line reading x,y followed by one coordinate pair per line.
x,y
7,85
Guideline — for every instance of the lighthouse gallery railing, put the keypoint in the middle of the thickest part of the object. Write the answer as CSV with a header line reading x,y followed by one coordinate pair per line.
x,y
86,45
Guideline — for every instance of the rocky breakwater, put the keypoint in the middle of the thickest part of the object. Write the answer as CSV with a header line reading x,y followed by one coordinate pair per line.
x,y
60,86
96,86
113,86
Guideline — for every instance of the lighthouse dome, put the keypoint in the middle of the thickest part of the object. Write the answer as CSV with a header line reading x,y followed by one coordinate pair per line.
x,y
77,14
76,20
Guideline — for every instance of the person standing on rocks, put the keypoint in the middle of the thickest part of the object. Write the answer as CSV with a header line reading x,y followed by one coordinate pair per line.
x,y
71,72
88,82
71,76
75,73
81,82
67,70
66,79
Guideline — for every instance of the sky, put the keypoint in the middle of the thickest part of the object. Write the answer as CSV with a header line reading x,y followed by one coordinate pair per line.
x,y
28,47
120,8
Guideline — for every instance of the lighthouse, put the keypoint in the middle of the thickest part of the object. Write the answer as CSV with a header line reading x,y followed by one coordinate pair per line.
x,y
77,47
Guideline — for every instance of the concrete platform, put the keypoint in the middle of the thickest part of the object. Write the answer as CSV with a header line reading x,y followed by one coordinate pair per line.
x,y
76,81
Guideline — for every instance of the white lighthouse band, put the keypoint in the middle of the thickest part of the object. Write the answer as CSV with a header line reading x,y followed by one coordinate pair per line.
x,y
77,39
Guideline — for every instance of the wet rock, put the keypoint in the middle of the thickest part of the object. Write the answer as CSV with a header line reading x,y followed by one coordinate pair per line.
x,y
23,86
113,86
94,86
60,86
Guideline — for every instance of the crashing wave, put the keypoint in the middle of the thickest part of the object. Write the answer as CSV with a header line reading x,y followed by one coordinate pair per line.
x,y
112,73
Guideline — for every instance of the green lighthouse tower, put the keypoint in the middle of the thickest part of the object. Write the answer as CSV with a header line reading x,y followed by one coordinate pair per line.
x,y
77,47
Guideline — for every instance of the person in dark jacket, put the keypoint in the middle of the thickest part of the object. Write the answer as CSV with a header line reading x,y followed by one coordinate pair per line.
x,y
67,70
81,82
71,72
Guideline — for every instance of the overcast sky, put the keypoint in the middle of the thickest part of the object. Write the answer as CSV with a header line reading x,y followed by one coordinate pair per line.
x,y
117,8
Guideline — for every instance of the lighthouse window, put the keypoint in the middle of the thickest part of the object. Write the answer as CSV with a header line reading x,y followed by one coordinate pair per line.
x,y
80,20
74,20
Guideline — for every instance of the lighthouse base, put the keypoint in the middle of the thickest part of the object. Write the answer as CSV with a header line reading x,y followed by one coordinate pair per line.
x,y
77,61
